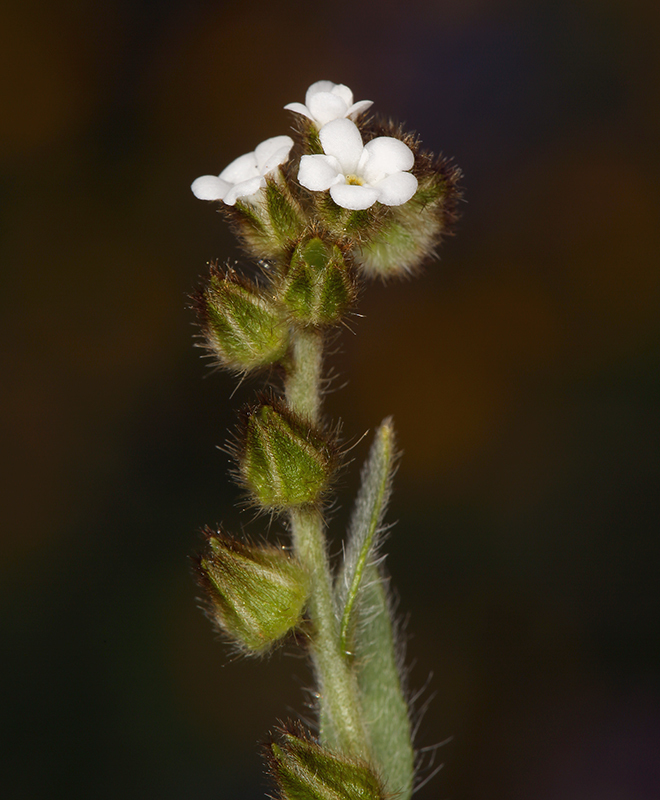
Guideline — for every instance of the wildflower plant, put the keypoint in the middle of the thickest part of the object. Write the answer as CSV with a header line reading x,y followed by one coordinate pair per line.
x,y
347,198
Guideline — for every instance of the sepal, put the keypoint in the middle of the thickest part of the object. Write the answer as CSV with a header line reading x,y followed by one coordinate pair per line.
x,y
303,770
241,324
345,225
308,135
269,223
283,460
254,595
406,236
317,288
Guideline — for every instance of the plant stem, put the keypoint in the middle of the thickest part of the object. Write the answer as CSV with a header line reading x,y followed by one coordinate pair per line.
x,y
341,721
303,381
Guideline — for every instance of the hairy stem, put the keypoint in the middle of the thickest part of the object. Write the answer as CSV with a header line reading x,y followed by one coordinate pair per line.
x,y
303,381
341,721
342,727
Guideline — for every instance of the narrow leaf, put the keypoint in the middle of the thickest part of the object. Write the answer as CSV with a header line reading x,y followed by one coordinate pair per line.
x,y
365,527
367,631
378,657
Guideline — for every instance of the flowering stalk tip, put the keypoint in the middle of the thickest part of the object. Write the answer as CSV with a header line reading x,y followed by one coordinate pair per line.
x,y
346,197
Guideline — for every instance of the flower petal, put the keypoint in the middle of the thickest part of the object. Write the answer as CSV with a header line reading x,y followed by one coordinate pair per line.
x,y
241,169
341,139
244,189
319,173
326,106
299,108
319,86
353,197
386,155
278,157
344,92
358,108
210,187
397,189
267,153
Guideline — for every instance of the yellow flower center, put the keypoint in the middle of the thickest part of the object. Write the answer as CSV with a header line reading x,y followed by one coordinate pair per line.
x,y
353,180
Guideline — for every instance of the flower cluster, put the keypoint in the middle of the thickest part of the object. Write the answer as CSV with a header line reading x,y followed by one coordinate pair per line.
x,y
357,176
346,166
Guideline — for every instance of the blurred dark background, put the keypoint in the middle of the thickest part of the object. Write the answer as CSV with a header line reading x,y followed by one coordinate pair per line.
x,y
522,371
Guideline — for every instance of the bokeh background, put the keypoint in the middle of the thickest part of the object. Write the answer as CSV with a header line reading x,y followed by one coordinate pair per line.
x,y
522,371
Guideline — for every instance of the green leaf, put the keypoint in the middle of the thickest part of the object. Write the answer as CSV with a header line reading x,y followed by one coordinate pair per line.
x,y
367,632
384,706
364,529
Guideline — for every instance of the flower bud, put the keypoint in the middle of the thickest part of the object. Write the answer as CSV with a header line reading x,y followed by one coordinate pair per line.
x,y
270,221
285,215
242,325
406,235
317,288
282,459
255,595
304,770
411,232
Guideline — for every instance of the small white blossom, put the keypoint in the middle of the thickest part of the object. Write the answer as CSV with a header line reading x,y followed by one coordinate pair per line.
x,y
358,175
326,101
246,175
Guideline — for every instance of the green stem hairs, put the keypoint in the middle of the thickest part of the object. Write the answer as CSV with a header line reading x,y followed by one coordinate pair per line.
x,y
347,198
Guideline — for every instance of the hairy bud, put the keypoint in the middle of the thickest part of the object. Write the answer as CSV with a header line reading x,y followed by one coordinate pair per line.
x,y
242,325
283,460
269,225
304,770
255,595
317,288
407,235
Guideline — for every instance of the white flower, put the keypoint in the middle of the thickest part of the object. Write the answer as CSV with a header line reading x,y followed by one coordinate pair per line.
x,y
358,175
246,175
326,101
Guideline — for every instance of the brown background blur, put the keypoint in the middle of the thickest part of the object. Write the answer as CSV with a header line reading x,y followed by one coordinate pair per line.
x,y
522,371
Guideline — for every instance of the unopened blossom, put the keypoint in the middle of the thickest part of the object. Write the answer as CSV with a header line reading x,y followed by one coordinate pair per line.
x,y
326,101
246,175
359,175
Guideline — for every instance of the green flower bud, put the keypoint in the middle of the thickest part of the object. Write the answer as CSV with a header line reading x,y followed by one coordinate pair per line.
x,y
286,218
305,771
317,288
404,237
283,460
255,595
269,224
242,325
